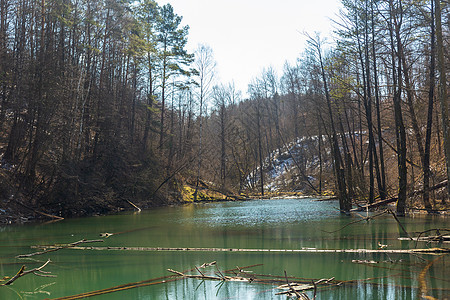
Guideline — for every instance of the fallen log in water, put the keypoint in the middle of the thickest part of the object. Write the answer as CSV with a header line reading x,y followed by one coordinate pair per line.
x,y
441,236
303,250
423,288
131,285
217,277
292,289
435,238
297,287
54,248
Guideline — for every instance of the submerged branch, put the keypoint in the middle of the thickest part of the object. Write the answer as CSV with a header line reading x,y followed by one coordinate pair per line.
x,y
36,271
357,221
399,223
423,288
122,287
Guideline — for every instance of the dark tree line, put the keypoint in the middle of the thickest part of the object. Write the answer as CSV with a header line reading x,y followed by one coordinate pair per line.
x,y
86,90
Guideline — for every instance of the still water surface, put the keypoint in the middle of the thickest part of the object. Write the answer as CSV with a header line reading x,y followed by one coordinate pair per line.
x,y
260,224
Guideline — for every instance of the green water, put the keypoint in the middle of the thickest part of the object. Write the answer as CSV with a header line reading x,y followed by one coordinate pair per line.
x,y
262,224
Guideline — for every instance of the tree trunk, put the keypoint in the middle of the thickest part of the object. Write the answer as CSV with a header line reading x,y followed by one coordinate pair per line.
x,y
260,150
344,202
442,86
382,184
399,126
223,146
426,154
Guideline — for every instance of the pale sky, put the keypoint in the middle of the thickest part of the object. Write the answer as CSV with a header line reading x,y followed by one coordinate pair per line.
x,y
249,35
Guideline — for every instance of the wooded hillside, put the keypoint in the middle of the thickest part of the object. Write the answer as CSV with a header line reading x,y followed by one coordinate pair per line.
x,y
101,103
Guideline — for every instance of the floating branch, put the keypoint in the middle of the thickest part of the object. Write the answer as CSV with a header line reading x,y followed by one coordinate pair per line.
x,y
436,238
300,287
106,234
303,250
36,271
293,291
54,248
134,205
220,276
428,239
122,287
208,264
201,276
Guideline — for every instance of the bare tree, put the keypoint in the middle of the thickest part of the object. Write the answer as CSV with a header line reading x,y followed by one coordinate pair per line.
x,y
205,65
344,202
442,86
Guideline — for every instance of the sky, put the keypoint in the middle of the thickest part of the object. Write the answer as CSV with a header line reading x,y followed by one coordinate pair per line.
x,y
247,36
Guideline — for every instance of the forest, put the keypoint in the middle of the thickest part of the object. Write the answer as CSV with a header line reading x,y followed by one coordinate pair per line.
x,y
102,107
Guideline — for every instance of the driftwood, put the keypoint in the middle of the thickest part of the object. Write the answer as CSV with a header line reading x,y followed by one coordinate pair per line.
x,y
294,291
294,286
303,250
54,248
218,275
208,264
36,271
438,237
134,205
127,286
210,277
431,238
202,276
106,234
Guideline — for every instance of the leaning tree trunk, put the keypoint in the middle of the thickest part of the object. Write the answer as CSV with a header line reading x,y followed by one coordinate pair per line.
x,y
344,202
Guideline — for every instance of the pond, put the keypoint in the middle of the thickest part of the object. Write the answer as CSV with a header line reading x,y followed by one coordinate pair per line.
x,y
256,224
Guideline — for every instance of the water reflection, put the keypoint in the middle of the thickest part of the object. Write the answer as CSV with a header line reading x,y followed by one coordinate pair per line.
x,y
260,224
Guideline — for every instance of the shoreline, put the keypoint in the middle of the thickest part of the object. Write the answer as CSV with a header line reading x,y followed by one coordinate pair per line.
x,y
19,217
